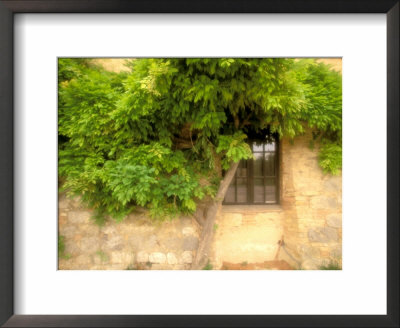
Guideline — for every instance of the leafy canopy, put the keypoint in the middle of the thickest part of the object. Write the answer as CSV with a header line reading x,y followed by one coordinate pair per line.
x,y
161,135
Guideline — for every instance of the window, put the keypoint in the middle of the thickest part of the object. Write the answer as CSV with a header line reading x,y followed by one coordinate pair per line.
x,y
256,181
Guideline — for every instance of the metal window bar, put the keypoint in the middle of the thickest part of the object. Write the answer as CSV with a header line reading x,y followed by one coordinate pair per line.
x,y
249,178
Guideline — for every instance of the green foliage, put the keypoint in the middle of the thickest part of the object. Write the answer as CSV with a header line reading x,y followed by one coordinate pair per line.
x,y
330,157
234,148
215,227
132,267
332,265
68,69
61,248
323,110
208,266
103,256
159,136
323,96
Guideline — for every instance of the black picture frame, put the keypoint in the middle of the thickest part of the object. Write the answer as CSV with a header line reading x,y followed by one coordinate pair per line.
x,y
7,10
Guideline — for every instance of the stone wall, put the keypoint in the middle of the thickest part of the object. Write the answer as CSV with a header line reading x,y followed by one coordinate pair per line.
x,y
312,203
134,243
308,219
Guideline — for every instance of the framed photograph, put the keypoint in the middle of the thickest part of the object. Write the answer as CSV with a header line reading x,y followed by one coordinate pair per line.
x,y
199,164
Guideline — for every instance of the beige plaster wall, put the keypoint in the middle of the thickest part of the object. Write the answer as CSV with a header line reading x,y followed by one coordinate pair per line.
x,y
247,234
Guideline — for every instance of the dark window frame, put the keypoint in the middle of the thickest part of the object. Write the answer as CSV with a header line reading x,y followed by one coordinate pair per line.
x,y
250,176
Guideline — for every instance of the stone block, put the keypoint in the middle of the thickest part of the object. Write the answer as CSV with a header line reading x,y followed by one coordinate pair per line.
x,y
171,258
62,221
116,266
109,229
310,192
311,264
173,243
334,220
72,246
114,242
121,257
157,257
181,267
188,231
288,201
83,260
79,217
325,253
307,251
68,231
186,221
151,242
142,257
333,184
187,257
89,244
63,203
190,243
101,258
76,202
136,240
158,266
336,253
89,229
323,202
322,234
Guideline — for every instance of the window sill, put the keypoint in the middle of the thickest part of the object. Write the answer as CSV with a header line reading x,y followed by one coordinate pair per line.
x,y
251,208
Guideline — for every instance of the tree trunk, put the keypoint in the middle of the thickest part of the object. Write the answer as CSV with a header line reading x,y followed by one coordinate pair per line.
x,y
207,232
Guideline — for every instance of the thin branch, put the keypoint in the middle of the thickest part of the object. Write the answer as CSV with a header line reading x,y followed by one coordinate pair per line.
x,y
236,120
